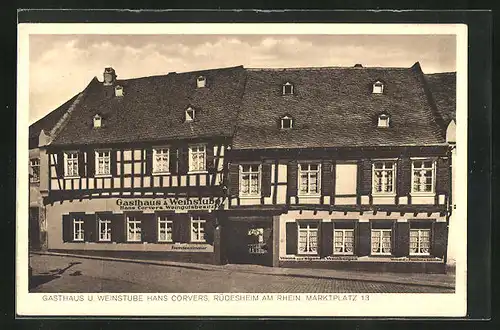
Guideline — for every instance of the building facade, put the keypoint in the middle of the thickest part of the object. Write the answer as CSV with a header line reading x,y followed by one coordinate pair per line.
x,y
311,167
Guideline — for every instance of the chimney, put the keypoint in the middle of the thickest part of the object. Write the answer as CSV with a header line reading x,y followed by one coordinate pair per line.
x,y
358,65
109,76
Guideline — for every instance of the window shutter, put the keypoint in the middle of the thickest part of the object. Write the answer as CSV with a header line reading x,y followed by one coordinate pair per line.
x,y
210,158
268,239
402,242
234,177
366,179
209,230
404,176
183,160
149,161
67,228
118,230
90,227
327,178
439,239
364,239
81,164
291,237
60,165
266,180
114,163
149,227
442,176
90,163
326,239
292,178
173,166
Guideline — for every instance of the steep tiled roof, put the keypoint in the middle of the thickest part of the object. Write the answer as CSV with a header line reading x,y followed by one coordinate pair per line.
x,y
443,88
335,107
152,108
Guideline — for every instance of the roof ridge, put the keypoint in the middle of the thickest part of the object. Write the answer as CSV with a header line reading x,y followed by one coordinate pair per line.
x,y
317,68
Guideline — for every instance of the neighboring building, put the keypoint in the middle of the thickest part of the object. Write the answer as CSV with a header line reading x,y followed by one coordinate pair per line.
x,y
309,167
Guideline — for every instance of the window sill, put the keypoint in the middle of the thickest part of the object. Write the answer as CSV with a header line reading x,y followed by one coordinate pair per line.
x,y
160,173
249,196
383,195
314,196
103,176
423,194
198,172
71,177
381,255
164,242
420,255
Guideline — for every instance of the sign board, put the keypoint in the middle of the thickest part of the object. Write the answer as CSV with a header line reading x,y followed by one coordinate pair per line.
x,y
169,204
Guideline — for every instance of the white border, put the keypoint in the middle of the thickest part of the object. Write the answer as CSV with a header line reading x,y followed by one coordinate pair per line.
x,y
379,304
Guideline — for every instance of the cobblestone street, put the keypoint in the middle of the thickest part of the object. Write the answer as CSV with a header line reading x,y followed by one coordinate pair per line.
x,y
72,274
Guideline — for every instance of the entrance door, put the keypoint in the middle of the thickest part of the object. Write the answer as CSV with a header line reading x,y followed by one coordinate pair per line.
x,y
34,229
249,243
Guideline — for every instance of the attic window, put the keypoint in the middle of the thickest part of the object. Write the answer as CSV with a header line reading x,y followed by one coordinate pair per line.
x,y
201,81
190,114
118,91
286,122
383,120
97,121
378,87
287,88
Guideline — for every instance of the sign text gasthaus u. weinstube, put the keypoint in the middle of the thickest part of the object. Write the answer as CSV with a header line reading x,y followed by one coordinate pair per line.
x,y
169,203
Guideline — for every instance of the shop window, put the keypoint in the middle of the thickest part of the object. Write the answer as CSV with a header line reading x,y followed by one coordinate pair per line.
x,y
308,238
104,229
197,229
103,162
71,164
161,160
35,170
197,158
133,229
256,244
343,240
164,229
423,173
384,177
78,233
381,241
250,180
420,241
309,179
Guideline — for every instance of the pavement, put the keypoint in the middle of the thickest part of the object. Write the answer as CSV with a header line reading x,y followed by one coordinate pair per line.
x,y
61,272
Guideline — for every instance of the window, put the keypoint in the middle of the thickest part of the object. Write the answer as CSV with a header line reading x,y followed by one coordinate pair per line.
x,y
201,81
309,179
423,176
287,89
190,114
35,170
383,120
197,158
381,241
384,175
164,229
118,91
197,229
286,122
103,162
71,164
419,241
308,238
133,229
250,180
97,121
160,160
104,229
378,87
343,240
78,230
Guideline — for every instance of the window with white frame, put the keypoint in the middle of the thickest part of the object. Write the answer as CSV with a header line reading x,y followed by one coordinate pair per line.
x,y
197,158
250,179
383,120
384,177
190,114
78,232
71,164
161,160
343,240
97,121
423,176
381,241
103,162
378,87
308,238
286,122
197,229
287,88
133,229
309,179
164,229
201,81
104,229
420,241
35,170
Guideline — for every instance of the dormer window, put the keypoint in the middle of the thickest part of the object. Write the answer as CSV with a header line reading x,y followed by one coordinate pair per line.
x,y
383,120
378,87
118,91
190,114
286,122
287,88
97,121
201,81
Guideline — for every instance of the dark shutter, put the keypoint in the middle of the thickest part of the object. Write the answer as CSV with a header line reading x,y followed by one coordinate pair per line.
x,y
81,164
292,178
183,161
149,228
149,162
266,180
366,179
404,177
291,237
67,228
114,163
402,242
60,165
173,160
209,230
210,158
90,227
181,231
90,163
326,239
234,177
327,180
439,239
118,233
364,239
442,176
268,239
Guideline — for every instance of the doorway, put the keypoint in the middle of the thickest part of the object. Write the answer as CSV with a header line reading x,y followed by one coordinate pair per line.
x,y
34,229
249,243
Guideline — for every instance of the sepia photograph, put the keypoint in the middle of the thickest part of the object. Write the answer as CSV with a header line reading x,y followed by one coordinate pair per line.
x,y
242,164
